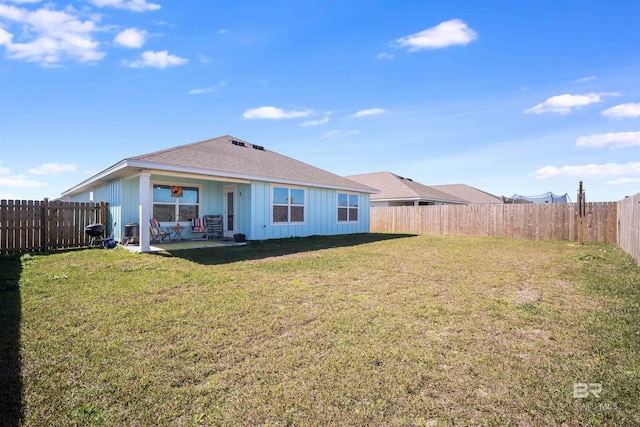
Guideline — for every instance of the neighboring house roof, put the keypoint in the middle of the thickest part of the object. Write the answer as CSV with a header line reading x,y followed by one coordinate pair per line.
x,y
397,188
469,193
227,157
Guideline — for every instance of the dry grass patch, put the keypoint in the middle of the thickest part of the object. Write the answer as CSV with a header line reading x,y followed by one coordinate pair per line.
x,y
349,330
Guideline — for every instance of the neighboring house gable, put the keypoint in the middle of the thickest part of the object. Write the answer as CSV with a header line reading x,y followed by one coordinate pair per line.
x,y
257,192
471,194
396,190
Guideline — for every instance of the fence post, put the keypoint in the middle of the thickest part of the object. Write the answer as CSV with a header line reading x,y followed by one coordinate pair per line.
x,y
44,225
104,218
581,207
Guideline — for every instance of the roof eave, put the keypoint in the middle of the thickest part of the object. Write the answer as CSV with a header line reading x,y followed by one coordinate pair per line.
x,y
161,167
88,183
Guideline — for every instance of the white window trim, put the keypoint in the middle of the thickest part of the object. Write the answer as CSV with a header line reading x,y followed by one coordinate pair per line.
x,y
288,223
181,184
338,207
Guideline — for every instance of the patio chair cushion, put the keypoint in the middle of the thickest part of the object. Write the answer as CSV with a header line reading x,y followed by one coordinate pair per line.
x,y
197,225
157,232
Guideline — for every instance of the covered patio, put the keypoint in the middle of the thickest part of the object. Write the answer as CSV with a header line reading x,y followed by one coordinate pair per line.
x,y
184,245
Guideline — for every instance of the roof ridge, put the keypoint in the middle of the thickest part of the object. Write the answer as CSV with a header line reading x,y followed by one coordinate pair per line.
x,y
179,147
314,167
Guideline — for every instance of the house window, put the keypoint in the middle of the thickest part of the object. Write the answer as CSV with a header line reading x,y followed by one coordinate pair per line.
x,y
167,208
347,207
287,205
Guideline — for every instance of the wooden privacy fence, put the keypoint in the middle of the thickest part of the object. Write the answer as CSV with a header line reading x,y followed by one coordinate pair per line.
x,y
629,226
28,225
552,221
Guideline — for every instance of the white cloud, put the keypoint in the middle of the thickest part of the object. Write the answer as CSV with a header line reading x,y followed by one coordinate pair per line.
x,y
607,169
448,33
624,180
133,5
210,89
20,181
385,55
204,59
52,169
613,140
200,91
5,37
131,38
160,59
315,122
48,36
274,113
222,31
623,111
586,79
340,133
565,104
4,171
369,112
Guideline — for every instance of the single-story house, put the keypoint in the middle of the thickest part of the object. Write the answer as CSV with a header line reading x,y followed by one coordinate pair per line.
x,y
253,190
396,190
471,194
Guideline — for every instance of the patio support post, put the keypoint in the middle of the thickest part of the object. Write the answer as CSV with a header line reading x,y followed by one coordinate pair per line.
x,y
145,211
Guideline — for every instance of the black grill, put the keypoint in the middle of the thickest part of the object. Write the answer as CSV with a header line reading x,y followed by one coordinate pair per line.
x,y
94,230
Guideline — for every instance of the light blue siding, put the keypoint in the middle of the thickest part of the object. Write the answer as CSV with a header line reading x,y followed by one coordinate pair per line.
x,y
109,192
243,210
253,207
212,199
85,196
130,205
321,215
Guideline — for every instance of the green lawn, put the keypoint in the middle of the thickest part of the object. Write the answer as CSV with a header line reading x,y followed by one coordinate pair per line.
x,y
352,330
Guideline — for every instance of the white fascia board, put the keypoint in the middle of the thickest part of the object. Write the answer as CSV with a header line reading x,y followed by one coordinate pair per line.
x,y
87,184
394,199
419,199
160,169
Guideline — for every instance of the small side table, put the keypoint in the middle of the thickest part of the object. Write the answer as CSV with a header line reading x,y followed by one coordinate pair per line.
x,y
178,229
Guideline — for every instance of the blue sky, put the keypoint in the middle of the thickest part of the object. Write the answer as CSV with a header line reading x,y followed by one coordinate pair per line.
x,y
508,96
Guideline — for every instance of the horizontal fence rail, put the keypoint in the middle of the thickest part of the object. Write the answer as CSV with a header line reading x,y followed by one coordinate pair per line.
x,y
551,221
28,225
629,226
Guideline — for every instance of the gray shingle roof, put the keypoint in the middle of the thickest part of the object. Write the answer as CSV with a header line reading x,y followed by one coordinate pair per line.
x,y
393,186
469,193
222,156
